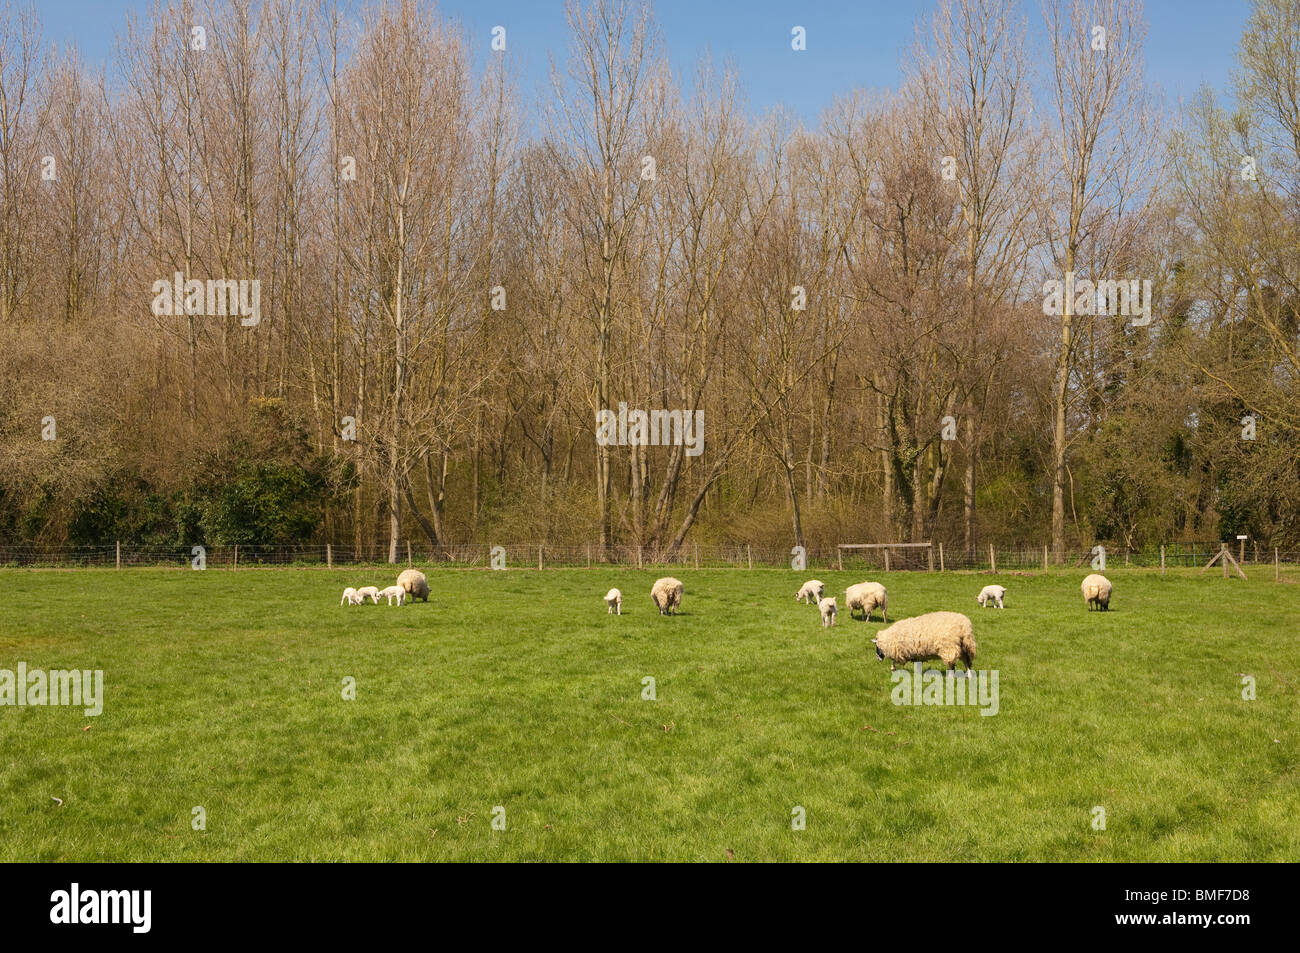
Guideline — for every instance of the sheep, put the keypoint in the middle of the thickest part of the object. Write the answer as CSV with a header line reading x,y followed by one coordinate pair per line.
x,y
394,592
991,594
667,595
946,636
867,596
413,582
828,609
1096,592
614,600
369,591
351,597
811,592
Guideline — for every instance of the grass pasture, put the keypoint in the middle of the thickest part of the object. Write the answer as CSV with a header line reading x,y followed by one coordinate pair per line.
x,y
224,690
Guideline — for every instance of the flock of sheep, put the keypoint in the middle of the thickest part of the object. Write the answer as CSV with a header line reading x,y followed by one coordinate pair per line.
x,y
410,584
945,636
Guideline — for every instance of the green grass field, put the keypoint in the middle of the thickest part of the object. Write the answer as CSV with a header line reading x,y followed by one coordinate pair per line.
x,y
224,690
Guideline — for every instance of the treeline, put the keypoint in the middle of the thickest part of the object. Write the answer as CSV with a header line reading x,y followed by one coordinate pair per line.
x,y
454,283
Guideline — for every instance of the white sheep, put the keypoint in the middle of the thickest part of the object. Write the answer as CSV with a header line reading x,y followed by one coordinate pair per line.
x,y
614,600
867,596
828,609
413,582
1096,592
394,592
351,597
811,592
667,595
991,594
369,592
946,636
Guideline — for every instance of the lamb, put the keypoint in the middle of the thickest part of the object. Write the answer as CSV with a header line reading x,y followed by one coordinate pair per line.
x,y
351,597
394,592
811,592
413,582
614,599
1096,592
667,595
867,596
946,636
828,609
372,592
991,594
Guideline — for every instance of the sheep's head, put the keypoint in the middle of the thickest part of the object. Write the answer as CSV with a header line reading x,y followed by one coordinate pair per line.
x,y
879,654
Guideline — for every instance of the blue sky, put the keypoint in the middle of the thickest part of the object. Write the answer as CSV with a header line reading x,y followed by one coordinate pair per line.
x,y
851,43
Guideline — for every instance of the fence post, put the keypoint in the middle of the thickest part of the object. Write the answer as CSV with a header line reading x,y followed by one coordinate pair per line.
x,y
1275,565
993,560
589,555
119,554
839,556
697,555
930,553
638,556
1162,559
941,557
329,556
408,554
539,557
1044,557
886,551
236,555
749,554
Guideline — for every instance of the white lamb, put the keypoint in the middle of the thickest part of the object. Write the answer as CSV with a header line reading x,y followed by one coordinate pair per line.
x,y
867,596
369,592
991,594
828,610
394,592
614,599
811,592
351,597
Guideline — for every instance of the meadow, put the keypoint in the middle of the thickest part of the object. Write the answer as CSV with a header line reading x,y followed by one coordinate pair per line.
x,y
225,690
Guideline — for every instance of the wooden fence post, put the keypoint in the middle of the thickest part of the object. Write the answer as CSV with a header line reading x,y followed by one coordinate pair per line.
x,y
930,553
638,557
1162,559
119,554
329,556
839,556
941,557
1044,557
589,555
749,554
1276,568
993,560
886,551
539,557
408,554
697,555
236,555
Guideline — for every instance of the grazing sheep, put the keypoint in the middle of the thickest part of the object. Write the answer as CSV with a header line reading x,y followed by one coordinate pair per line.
x,y
1096,592
991,594
828,610
371,592
946,636
614,599
867,596
667,595
351,597
811,592
394,592
413,582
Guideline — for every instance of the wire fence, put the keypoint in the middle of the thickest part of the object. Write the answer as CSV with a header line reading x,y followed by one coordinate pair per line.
x,y
936,557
